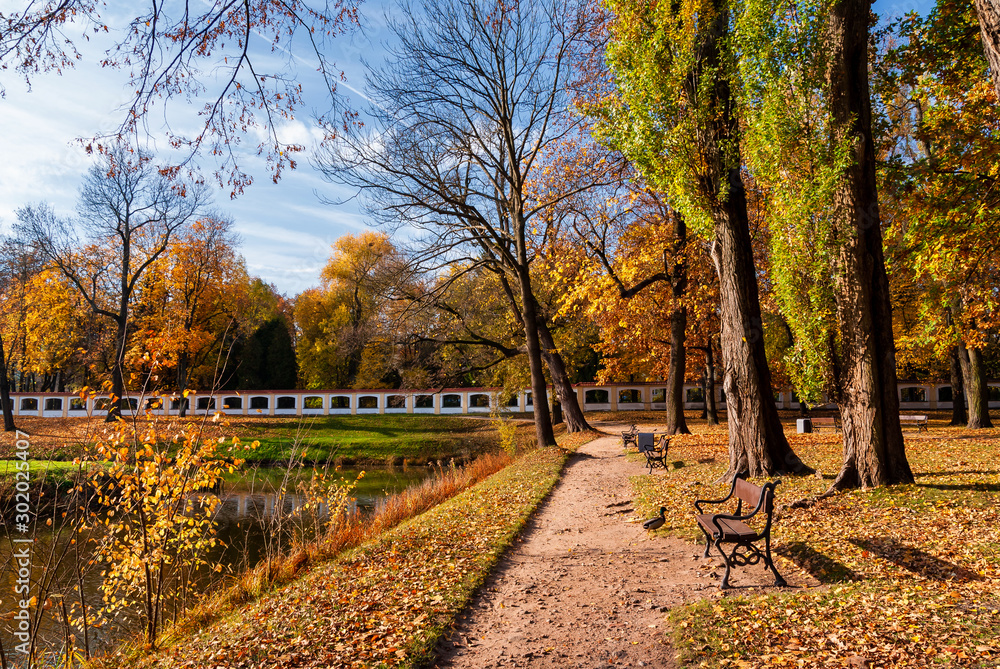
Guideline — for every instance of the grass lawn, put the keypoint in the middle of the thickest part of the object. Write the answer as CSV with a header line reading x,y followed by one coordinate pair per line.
x,y
368,439
908,574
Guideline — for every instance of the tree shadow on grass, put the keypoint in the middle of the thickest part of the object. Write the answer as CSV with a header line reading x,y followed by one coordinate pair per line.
x,y
818,565
916,560
975,487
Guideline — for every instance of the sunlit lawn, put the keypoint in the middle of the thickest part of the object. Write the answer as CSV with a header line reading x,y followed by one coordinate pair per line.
x,y
393,438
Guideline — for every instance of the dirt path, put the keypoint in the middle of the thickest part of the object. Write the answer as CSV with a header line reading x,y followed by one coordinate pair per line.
x,y
583,586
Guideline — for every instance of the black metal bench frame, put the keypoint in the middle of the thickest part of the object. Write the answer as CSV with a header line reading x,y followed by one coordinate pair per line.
x,y
629,437
657,455
722,528
919,420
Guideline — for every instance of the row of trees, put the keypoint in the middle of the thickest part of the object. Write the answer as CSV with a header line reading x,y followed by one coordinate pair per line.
x,y
145,287
718,175
743,121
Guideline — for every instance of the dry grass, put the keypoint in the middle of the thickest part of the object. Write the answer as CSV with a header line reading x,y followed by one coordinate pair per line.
x,y
352,532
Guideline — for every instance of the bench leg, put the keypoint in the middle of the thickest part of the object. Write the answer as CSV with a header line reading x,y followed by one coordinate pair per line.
x,y
778,579
708,541
725,558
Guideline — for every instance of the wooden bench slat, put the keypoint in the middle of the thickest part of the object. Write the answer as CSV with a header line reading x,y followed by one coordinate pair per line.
x,y
732,530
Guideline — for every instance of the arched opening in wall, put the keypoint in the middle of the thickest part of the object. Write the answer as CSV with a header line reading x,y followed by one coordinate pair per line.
x,y
206,403
29,404
259,403
77,404
232,403
312,403
479,401
423,402
629,396
912,394
596,396
285,403
368,402
944,394
340,402
53,404
451,402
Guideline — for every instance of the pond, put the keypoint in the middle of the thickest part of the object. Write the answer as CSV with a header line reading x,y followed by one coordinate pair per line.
x,y
257,517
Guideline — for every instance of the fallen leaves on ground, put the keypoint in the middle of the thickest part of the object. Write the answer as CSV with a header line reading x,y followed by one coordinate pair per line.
x,y
909,573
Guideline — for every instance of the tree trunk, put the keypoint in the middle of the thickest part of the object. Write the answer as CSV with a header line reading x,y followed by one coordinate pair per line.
x,y
575,420
118,375
757,443
988,12
874,453
539,394
8,407
711,411
182,381
959,416
976,389
678,328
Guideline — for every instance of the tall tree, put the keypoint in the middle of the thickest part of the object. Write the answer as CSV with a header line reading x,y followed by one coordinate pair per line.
x,y
470,98
674,114
874,453
806,74
128,213
191,307
349,309
942,166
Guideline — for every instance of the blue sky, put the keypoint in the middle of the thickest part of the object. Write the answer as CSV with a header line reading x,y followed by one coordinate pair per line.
x,y
286,230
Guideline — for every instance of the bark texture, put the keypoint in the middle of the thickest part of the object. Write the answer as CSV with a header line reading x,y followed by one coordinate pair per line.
x,y
8,407
988,12
571,411
539,394
959,416
757,443
976,388
874,453
678,330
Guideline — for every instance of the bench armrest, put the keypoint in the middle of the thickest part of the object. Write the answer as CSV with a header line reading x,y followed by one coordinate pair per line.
x,y
699,502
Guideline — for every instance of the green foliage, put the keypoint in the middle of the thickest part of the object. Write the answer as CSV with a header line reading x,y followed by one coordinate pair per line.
x,y
788,147
665,99
266,360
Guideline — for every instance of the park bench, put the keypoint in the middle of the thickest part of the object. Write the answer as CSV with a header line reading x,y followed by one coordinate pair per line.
x,y
919,420
655,454
831,422
628,437
723,528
